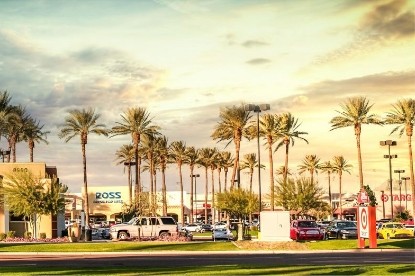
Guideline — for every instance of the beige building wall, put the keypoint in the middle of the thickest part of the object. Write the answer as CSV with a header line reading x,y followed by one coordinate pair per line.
x,y
47,224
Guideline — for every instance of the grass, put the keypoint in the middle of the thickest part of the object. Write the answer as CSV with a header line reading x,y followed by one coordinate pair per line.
x,y
217,270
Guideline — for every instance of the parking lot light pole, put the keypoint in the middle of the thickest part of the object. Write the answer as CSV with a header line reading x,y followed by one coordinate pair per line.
x,y
404,178
400,187
257,109
390,143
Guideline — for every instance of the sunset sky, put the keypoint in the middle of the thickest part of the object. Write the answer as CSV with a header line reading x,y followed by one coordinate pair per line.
x,y
183,60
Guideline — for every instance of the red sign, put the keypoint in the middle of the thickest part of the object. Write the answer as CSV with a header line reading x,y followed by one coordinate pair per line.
x,y
206,205
363,197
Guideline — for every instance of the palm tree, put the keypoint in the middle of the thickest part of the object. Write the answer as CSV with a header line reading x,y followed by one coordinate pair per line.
x,y
227,162
33,133
355,112
177,152
15,126
232,127
136,122
205,155
81,123
327,167
250,162
125,155
288,131
340,165
269,128
192,158
403,114
281,171
149,145
311,164
162,151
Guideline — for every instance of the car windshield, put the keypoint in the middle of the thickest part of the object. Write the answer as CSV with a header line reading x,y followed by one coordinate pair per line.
x,y
346,224
132,221
309,224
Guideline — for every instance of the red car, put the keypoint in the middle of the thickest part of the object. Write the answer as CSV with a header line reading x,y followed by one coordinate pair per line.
x,y
305,230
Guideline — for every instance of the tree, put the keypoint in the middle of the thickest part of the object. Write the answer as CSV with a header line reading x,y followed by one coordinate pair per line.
x,y
300,195
232,127
136,122
403,115
237,203
177,153
327,167
32,133
355,112
227,162
125,156
81,123
250,162
149,145
340,165
28,196
192,158
162,151
269,129
289,132
311,164
205,155
17,122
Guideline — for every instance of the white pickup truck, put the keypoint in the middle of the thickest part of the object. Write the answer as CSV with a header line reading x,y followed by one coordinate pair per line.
x,y
144,227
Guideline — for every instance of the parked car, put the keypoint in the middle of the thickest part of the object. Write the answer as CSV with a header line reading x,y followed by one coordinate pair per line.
x,y
305,230
341,229
222,234
397,230
206,227
192,227
410,227
186,233
220,225
144,227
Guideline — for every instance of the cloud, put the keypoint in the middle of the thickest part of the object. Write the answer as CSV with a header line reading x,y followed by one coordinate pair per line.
x,y
383,25
258,61
254,43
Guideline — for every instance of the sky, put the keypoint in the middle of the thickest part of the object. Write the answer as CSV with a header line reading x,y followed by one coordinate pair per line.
x,y
184,60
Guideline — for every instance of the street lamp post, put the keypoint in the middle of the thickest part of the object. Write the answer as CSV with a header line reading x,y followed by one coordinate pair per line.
x,y
406,191
4,152
257,109
400,187
194,201
383,203
390,143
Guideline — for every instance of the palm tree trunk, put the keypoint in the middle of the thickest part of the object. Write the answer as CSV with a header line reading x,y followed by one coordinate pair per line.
x,y
287,146
359,158
411,168
226,180
206,194
236,163
191,195
251,175
330,195
164,192
86,200
340,195
271,176
181,194
130,186
31,147
213,195
151,185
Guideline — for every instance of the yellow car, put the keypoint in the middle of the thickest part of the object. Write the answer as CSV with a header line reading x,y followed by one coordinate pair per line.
x,y
390,230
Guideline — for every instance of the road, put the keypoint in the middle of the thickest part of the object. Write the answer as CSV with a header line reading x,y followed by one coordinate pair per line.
x,y
181,259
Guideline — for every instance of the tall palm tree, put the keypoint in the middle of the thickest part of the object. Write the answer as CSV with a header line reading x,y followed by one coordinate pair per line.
x,y
232,127
288,131
192,158
149,145
32,133
177,152
340,165
81,123
403,115
212,161
5,112
162,151
281,171
355,112
249,162
205,155
135,121
15,126
227,162
269,129
311,164
125,156
327,167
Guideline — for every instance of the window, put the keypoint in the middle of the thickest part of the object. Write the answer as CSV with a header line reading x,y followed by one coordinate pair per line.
x,y
168,221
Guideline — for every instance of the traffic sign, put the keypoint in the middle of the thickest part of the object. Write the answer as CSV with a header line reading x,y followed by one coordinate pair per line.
x,y
363,222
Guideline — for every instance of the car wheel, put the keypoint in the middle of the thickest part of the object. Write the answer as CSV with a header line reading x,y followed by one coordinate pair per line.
x,y
388,236
339,236
123,235
164,234
297,238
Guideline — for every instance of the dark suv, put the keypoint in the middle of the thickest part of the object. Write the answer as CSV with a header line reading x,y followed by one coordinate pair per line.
x,y
341,229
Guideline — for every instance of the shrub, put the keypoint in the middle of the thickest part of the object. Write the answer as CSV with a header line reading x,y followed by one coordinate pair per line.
x,y
3,236
42,235
27,235
11,234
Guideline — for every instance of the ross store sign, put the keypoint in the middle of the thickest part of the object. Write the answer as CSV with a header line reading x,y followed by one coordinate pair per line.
x,y
108,197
